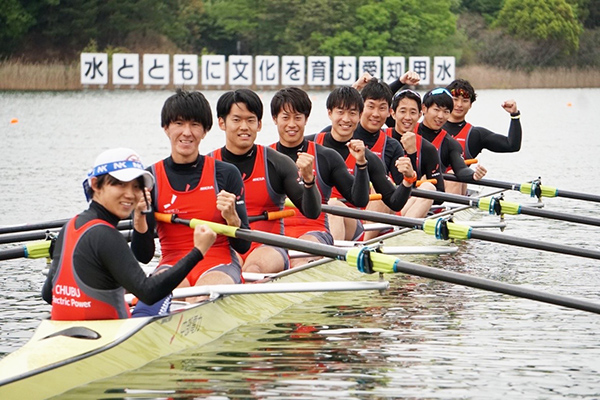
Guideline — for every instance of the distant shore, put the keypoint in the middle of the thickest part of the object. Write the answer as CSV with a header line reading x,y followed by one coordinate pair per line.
x,y
57,77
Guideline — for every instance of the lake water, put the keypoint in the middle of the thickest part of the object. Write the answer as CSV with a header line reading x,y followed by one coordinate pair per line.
x,y
422,339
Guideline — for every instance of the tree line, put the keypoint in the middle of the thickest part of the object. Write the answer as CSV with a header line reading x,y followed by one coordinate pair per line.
x,y
503,33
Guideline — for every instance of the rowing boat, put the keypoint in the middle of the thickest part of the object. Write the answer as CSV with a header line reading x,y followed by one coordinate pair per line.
x,y
65,354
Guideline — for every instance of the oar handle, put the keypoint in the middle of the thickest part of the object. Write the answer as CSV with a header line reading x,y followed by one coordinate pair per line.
x,y
272,215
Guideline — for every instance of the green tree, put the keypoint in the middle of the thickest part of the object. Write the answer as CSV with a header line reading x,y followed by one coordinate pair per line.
x,y
396,27
547,22
15,21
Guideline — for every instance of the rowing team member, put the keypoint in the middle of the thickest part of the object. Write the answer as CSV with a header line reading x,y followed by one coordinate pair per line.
x,y
92,264
474,139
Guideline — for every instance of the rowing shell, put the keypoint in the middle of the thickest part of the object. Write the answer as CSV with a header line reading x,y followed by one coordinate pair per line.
x,y
63,355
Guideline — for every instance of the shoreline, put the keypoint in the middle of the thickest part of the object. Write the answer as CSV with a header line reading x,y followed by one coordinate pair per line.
x,y
16,76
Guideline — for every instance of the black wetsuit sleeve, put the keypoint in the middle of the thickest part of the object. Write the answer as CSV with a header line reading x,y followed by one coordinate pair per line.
x,y
482,138
394,86
394,151
230,180
430,165
455,159
355,189
283,175
142,244
103,261
395,197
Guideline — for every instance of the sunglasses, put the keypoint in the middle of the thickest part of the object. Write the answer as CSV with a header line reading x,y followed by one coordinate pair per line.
x,y
404,91
440,91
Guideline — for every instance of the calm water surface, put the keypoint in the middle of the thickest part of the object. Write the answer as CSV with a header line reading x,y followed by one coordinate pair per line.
x,y
420,340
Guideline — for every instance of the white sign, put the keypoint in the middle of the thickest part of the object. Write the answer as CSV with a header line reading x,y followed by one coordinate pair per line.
x,y
94,68
213,70
293,70
156,69
370,64
422,66
266,70
319,70
443,70
393,68
185,69
344,70
125,69
240,70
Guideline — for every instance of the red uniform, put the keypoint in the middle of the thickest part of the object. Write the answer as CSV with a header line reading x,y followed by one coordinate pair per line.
x,y
260,196
177,240
74,300
437,142
298,225
462,137
350,164
419,141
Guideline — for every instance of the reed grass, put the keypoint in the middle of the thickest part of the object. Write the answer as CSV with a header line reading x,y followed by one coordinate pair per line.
x,y
18,75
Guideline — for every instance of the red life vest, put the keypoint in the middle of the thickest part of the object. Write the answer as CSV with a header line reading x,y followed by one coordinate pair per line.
x,y
419,141
71,298
462,137
177,240
437,142
298,225
260,196
350,164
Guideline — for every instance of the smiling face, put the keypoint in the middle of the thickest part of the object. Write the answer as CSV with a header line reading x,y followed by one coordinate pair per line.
x,y
462,105
241,127
290,126
374,114
343,122
185,137
434,117
407,115
118,197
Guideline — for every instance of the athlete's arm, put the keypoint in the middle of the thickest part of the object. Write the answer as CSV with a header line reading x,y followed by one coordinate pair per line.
x,y
355,189
283,175
430,164
482,138
394,197
393,151
230,180
454,151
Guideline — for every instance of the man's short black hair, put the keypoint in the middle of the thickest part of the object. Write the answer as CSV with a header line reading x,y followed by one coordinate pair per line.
x,y
246,96
294,98
345,97
187,106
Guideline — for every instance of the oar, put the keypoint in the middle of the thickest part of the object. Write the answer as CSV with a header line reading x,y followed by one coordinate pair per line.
x,y
43,234
500,206
38,249
264,288
368,261
534,189
444,229
272,215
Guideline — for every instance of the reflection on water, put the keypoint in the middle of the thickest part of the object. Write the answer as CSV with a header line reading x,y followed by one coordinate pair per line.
x,y
422,339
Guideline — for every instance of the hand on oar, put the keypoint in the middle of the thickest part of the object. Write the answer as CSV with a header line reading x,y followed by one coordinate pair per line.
x,y
498,206
533,188
371,261
444,229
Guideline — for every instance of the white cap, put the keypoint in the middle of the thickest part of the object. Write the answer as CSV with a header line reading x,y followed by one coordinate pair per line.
x,y
123,164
